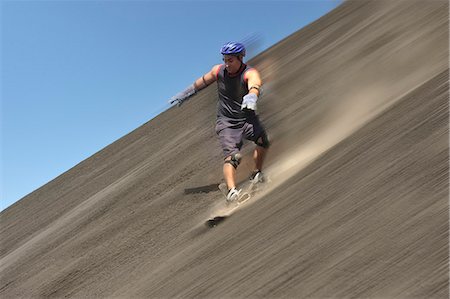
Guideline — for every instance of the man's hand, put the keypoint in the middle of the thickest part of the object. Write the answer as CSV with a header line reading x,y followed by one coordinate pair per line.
x,y
249,101
180,97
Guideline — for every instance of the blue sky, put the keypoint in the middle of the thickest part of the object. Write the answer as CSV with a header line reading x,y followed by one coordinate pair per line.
x,y
78,75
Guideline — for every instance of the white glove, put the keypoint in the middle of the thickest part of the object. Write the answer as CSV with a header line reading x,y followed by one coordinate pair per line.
x,y
180,97
249,101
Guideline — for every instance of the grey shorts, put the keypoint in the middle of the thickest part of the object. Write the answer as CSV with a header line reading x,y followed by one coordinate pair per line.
x,y
232,133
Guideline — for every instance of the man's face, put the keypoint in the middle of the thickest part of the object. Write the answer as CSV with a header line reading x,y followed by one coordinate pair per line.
x,y
232,63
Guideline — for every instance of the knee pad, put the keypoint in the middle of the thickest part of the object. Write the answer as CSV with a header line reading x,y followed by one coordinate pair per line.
x,y
235,160
263,141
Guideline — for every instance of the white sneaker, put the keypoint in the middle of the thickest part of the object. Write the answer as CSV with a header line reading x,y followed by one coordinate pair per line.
x,y
257,177
233,195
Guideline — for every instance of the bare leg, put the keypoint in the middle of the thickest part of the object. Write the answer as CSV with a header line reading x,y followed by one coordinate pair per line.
x,y
258,156
229,173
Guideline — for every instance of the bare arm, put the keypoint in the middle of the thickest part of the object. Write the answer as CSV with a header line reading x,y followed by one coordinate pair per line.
x,y
199,84
254,82
206,79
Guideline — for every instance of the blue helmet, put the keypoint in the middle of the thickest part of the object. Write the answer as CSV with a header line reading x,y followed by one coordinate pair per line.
x,y
233,48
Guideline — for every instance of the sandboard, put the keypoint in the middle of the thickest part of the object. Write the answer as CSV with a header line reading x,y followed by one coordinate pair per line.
x,y
248,190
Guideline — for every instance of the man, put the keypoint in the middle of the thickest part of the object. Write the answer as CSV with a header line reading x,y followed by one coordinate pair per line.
x,y
239,87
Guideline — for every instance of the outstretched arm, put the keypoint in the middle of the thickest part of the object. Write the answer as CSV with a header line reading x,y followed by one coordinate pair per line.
x,y
199,84
207,79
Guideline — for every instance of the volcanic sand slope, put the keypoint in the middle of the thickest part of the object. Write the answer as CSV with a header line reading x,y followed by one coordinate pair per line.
x,y
357,108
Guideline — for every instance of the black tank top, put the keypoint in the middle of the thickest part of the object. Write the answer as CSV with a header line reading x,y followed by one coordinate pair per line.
x,y
231,91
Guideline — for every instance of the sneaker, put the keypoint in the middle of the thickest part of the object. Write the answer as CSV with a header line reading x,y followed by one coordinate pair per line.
x,y
257,177
233,195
